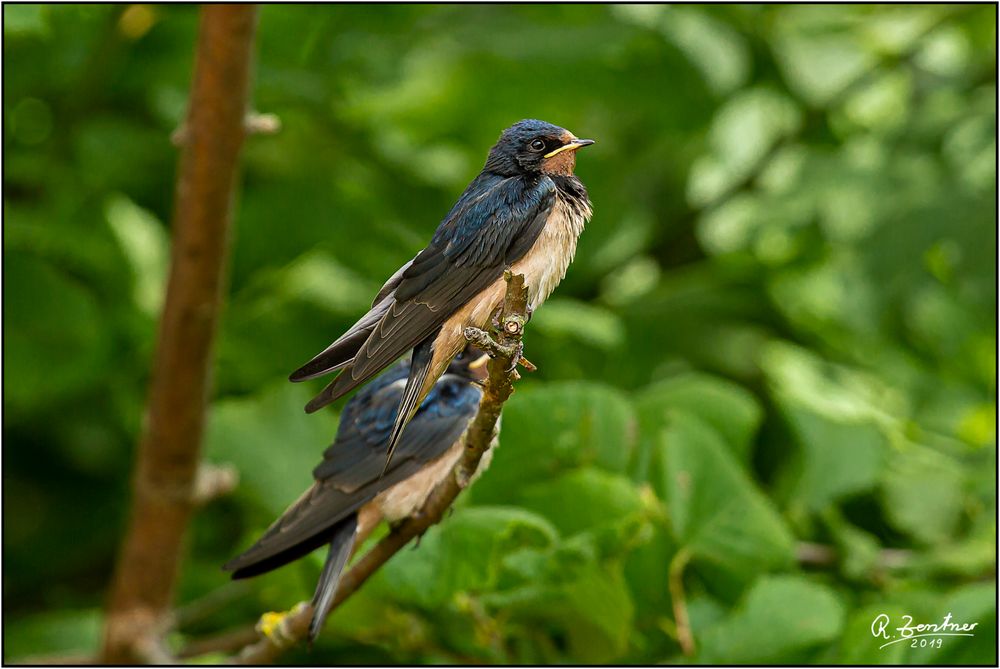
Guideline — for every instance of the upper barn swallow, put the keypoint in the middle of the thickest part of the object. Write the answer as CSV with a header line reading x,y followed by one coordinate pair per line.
x,y
524,211
351,496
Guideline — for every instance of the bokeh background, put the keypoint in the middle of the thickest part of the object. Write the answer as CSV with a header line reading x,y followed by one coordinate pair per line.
x,y
766,390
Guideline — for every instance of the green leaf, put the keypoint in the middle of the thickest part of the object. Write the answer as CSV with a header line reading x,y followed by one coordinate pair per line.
x,y
464,553
743,131
803,378
65,631
588,323
973,603
592,609
602,604
27,20
55,339
712,46
727,407
549,429
837,459
859,550
647,573
780,617
858,645
312,276
817,52
973,555
714,507
583,499
272,442
144,243
923,493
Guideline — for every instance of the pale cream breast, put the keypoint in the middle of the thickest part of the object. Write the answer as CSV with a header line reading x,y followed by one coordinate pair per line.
x,y
401,500
546,262
543,267
406,497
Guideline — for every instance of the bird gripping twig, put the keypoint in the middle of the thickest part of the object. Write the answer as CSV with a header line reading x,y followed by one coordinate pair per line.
x,y
505,351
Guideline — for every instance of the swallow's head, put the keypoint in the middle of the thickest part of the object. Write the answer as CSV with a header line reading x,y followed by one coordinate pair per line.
x,y
532,146
470,364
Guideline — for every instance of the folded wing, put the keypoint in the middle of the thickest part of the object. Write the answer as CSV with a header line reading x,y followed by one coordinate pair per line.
x,y
350,474
493,224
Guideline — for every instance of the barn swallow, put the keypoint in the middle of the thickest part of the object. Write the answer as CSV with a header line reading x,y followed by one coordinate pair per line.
x,y
524,211
350,495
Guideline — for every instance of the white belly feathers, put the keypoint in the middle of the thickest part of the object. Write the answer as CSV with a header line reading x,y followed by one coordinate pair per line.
x,y
546,262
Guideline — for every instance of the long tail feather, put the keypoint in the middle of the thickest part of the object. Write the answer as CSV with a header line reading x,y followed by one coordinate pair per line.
x,y
253,563
341,546
420,365
341,352
340,386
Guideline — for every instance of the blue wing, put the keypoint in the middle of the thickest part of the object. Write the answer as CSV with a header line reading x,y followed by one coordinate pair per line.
x,y
350,474
492,225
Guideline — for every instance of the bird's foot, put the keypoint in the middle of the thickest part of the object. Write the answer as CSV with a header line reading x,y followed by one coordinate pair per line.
x,y
516,357
495,349
484,341
274,625
495,318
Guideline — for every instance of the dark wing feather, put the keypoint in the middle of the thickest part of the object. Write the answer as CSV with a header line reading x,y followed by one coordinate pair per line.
x,y
391,283
351,472
359,459
420,365
494,223
341,352
341,546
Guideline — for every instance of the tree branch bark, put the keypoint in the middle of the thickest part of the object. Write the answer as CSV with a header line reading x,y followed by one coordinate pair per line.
x,y
498,387
169,451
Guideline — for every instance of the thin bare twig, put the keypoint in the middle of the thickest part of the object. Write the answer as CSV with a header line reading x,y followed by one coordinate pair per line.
x,y
168,455
77,659
676,583
229,641
820,555
207,605
498,387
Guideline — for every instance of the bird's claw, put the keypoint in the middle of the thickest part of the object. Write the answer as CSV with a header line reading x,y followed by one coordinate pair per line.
x,y
495,318
416,543
495,349
516,357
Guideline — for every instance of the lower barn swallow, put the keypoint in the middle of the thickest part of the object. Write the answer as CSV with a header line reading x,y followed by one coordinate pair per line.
x,y
351,495
524,211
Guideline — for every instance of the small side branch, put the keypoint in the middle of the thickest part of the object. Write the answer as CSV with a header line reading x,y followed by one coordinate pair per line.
x,y
676,584
499,385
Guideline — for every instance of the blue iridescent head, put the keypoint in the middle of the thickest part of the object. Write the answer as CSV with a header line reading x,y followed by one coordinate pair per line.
x,y
533,146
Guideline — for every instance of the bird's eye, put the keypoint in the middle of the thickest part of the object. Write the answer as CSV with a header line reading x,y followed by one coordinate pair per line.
x,y
537,145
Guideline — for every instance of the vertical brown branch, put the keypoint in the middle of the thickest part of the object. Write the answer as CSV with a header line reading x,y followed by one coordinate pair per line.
x,y
169,451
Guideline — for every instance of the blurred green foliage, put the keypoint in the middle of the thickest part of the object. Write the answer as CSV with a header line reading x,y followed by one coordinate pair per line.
x,y
778,339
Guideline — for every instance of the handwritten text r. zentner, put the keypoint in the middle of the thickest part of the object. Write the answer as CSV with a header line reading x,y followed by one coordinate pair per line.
x,y
910,631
